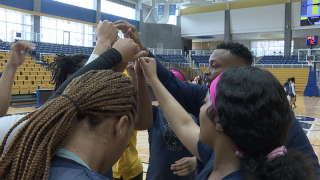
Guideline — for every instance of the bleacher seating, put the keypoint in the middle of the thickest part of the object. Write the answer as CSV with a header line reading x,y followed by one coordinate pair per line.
x,y
281,60
171,58
54,48
300,74
200,59
4,45
29,76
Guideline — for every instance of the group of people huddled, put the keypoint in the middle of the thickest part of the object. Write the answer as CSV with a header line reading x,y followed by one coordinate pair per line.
x,y
241,126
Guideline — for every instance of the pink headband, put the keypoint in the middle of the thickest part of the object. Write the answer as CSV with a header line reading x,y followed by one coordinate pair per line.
x,y
178,75
280,151
213,91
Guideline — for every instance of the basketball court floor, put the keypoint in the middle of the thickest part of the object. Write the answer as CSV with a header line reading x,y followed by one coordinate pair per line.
x,y
307,112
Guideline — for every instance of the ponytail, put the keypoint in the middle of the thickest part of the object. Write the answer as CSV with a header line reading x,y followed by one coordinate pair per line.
x,y
291,166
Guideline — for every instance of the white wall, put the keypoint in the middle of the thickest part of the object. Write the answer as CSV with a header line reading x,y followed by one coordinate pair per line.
x,y
257,19
203,24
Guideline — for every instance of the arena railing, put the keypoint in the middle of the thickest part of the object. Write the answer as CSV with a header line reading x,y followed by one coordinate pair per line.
x,y
166,51
203,64
281,65
175,64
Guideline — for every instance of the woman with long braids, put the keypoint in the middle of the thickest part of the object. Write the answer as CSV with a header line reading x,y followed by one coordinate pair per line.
x,y
95,115
85,129
245,119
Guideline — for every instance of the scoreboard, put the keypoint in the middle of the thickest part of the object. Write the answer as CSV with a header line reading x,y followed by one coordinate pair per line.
x,y
312,40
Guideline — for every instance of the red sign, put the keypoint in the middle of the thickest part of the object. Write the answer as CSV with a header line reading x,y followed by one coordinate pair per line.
x,y
312,40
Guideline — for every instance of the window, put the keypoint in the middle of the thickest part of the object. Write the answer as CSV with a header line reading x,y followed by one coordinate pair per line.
x,y
173,19
65,32
269,47
13,22
118,10
88,4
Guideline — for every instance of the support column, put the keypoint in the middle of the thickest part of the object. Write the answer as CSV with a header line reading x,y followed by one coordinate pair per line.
x,y
227,35
36,20
139,12
287,30
98,10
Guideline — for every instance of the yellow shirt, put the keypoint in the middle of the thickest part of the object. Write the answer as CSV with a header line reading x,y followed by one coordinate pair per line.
x,y
129,165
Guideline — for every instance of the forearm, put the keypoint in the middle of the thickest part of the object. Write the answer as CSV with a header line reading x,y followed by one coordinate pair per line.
x,y
105,61
6,83
180,121
145,120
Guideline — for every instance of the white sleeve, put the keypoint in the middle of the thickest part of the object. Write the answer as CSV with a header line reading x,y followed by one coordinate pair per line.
x,y
6,123
92,58
293,89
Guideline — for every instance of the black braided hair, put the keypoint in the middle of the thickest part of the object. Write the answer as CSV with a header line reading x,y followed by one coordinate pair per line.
x,y
64,65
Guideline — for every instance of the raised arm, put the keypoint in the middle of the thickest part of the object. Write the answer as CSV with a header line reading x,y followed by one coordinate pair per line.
x,y
17,57
138,79
189,95
180,121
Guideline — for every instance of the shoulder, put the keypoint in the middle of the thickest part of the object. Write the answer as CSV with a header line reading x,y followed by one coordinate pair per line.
x,y
74,174
236,175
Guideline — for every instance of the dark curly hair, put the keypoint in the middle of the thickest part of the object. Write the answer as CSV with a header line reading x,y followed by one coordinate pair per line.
x,y
64,65
254,112
238,50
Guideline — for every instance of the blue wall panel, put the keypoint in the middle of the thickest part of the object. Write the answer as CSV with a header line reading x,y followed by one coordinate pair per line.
x,y
21,4
113,18
68,11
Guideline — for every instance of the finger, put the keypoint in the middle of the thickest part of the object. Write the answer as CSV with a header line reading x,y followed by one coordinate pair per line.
x,y
132,35
180,160
139,55
184,171
119,22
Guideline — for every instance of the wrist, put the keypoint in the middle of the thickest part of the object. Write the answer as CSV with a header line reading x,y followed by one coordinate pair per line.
x,y
101,47
11,66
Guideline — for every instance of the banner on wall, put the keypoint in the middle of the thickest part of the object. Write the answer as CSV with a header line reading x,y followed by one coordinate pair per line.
x,y
172,10
161,10
216,0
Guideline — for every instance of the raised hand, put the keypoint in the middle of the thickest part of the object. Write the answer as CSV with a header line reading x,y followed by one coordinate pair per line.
x,y
129,31
18,52
107,32
128,49
149,67
184,166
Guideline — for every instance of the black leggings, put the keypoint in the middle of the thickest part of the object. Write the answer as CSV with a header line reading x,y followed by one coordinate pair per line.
x,y
138,177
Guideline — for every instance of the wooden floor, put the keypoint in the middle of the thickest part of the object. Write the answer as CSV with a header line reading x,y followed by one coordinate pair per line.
x,y
306,107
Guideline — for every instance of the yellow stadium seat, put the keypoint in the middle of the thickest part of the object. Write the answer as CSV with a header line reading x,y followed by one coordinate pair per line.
x,y
7,54
21,77
31,77
48,73
37,65
50,61
18,73
47,77
2,64
45,57
45,82
51,86
32,62
39,77
42,69
24,89
18,82
33,88
27,69
27,82
34,73
35,69
3,61
23,65
25,73
1,68
28,58
37,82
15,90
41,73
20,69
43,86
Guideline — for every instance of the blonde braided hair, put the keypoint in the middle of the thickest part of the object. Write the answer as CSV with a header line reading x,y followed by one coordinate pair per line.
x,y
103,93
